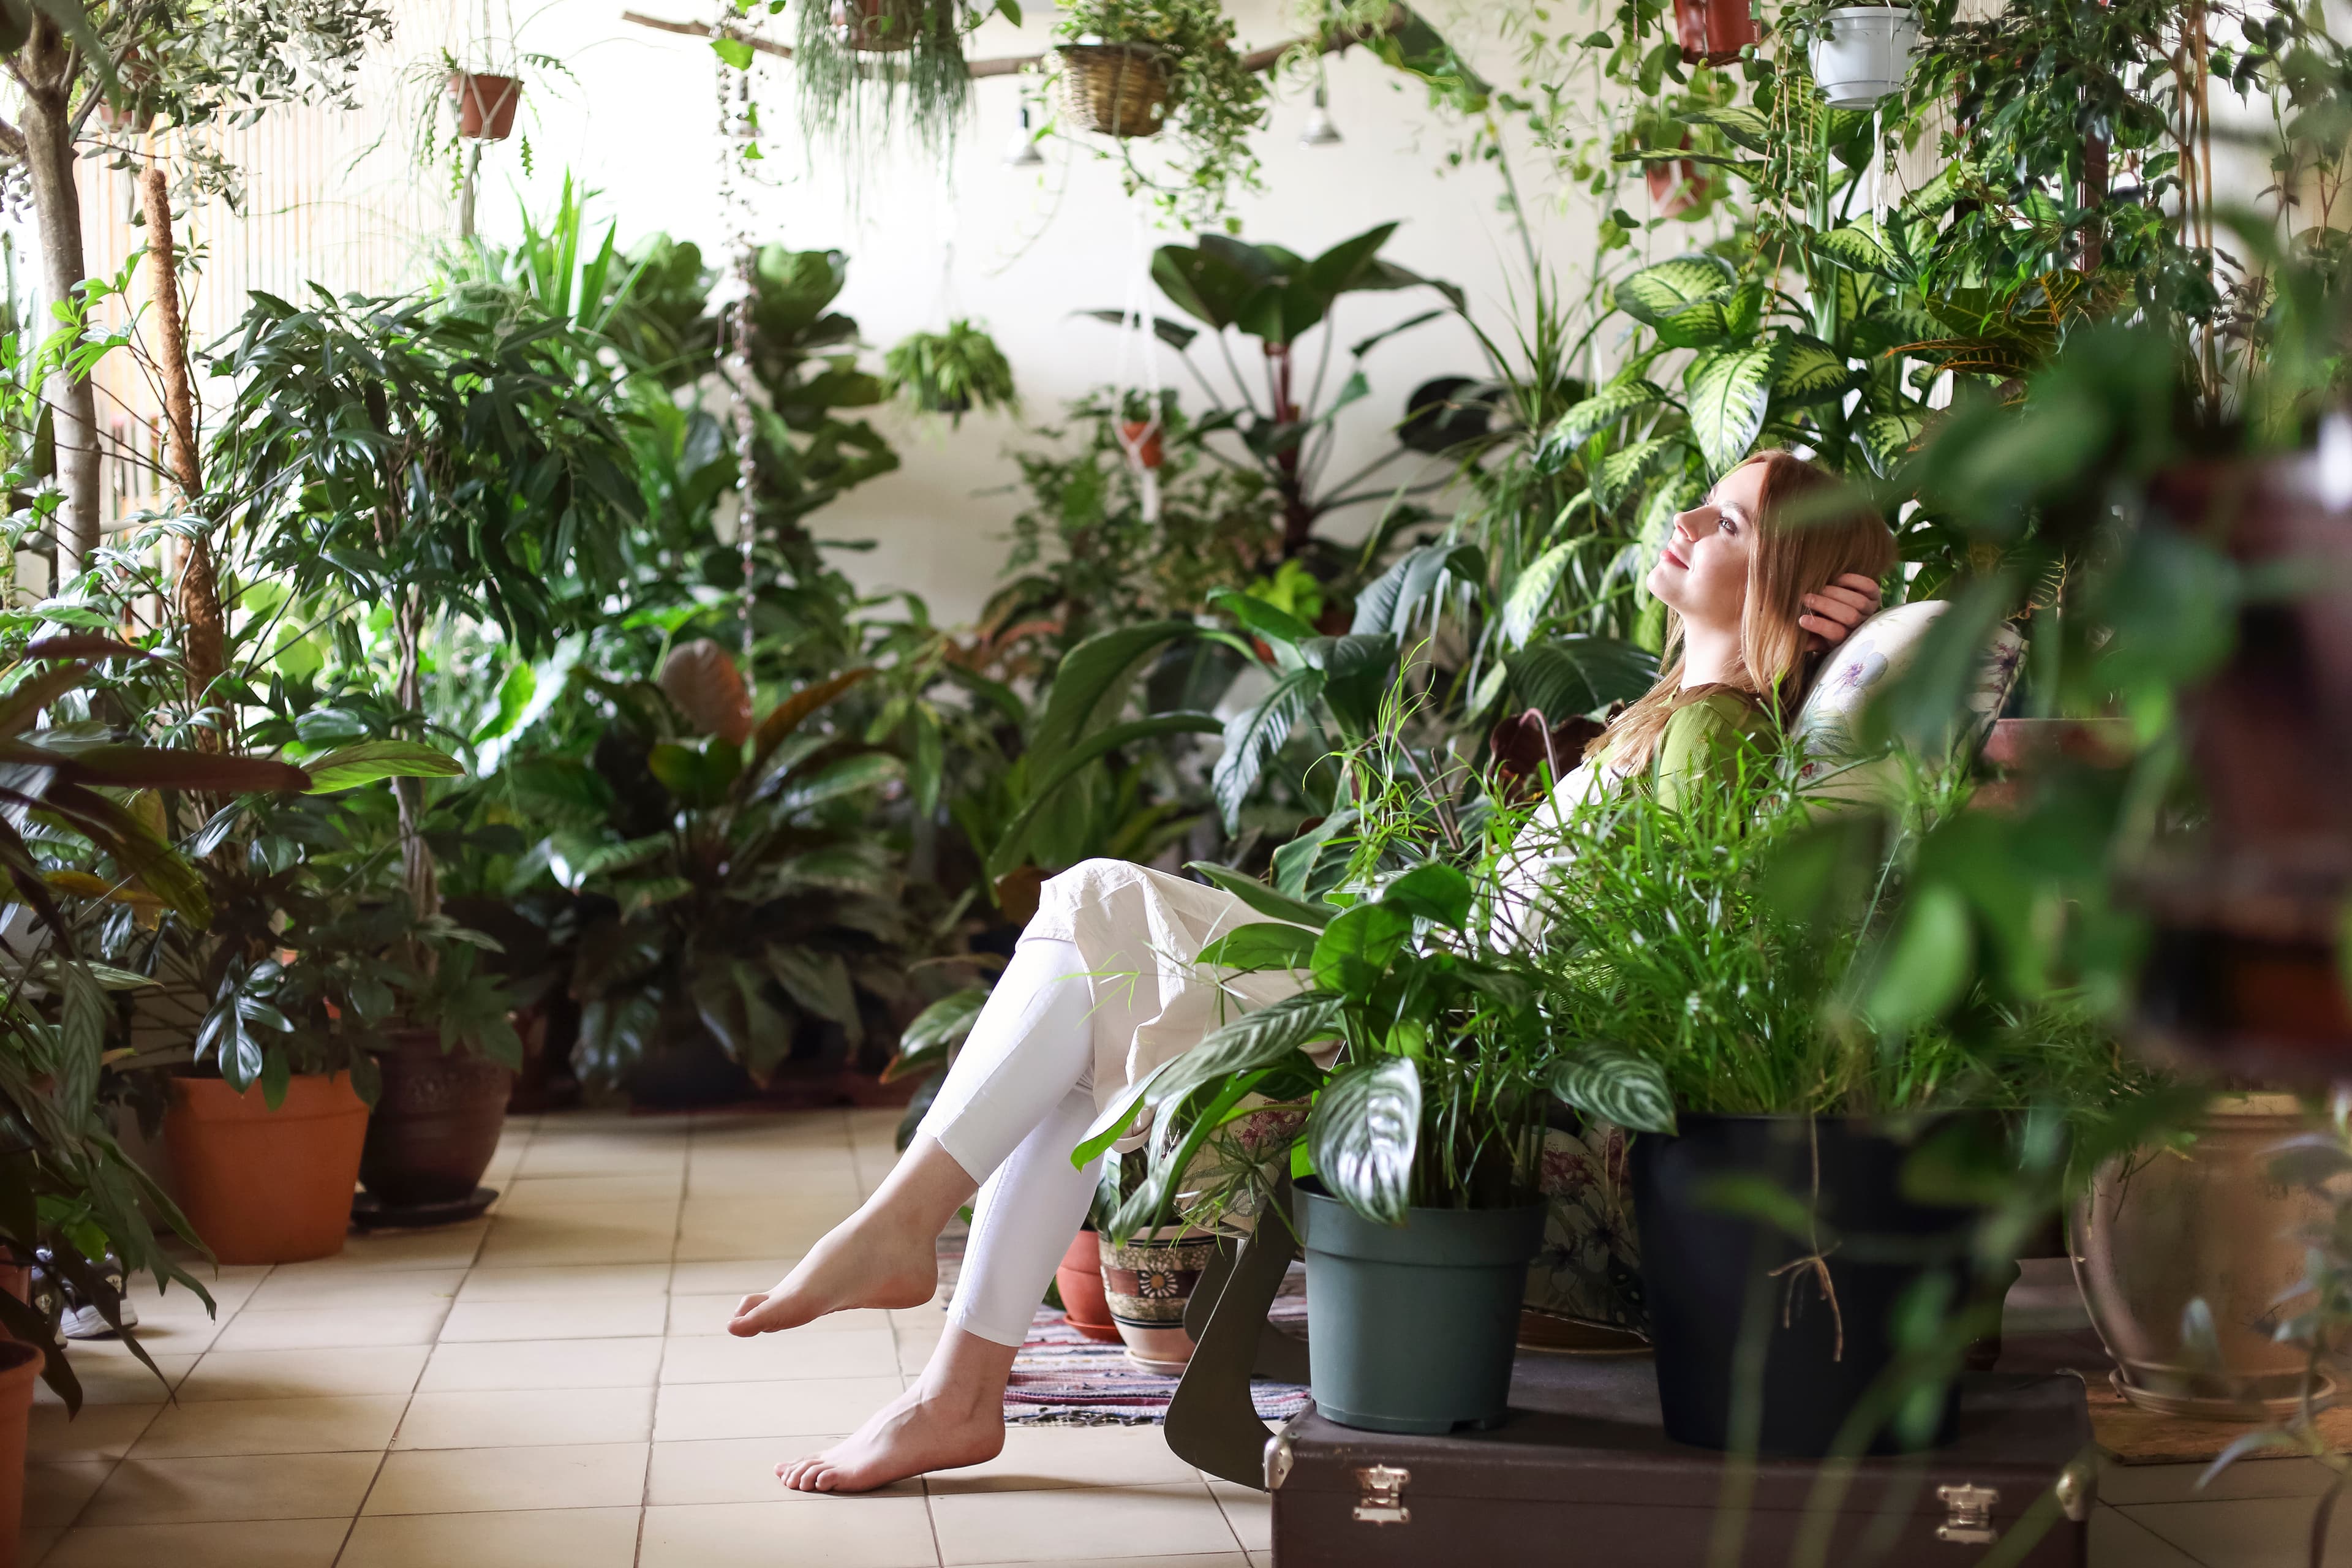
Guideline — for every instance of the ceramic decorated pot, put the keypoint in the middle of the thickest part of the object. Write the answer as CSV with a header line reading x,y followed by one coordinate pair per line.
x,y
1149,1282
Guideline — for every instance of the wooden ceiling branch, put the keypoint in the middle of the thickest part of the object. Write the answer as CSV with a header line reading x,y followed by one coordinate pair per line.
x,y
1013,64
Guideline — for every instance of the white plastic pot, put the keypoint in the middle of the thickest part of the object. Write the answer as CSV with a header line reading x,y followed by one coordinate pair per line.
x,y
1863,53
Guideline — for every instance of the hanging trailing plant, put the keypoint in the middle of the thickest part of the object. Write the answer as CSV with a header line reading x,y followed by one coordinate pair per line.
x,y
950,372
1177,57
868,69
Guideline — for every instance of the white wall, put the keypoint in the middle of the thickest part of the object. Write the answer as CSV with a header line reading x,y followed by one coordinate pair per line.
x,y
1030,246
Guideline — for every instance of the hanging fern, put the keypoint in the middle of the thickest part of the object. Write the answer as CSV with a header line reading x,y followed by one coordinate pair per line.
x,y
868,69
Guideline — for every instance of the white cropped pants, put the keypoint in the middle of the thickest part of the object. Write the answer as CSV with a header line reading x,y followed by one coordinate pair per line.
x,y
1017,1102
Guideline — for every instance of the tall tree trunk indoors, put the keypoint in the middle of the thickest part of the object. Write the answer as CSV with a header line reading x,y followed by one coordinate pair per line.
x,y
203,631
415,855
47,68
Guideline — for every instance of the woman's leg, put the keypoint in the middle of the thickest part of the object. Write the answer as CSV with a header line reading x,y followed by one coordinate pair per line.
x,y
955,1415
1032,1045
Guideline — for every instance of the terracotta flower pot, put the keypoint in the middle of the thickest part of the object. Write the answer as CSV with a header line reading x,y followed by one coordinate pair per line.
x,y
261,1185
436,1124
1149,1282
20,1369
873,26
1143,436
485,104
1079,1282
1713,31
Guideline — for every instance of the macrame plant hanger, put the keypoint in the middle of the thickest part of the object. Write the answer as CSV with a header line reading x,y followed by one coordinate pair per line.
x,y
1140,440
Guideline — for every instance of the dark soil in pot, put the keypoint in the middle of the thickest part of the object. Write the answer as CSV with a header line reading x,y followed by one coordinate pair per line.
x,y
1705,1270
1413,1328
436,1124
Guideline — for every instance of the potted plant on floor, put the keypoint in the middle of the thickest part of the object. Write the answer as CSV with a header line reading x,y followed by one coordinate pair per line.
x,y
738,908
1424,1137
1802,1116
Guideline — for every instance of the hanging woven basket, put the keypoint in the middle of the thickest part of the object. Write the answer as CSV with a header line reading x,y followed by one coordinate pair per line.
x,y
1115,89
875,27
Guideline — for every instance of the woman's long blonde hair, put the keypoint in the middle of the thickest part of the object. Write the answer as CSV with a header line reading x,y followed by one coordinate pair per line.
x,y
1792,557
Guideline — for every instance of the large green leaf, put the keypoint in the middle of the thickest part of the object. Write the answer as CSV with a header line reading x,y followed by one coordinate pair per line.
x,y
1748,129
1573,675
1728,392
1270,945
1887,439
1431,891
1014,843
1666,290
1616,1086
365,762
1253,735
1355,950
1357,669
1272,1035
1617,401
1364,1133
1261,897
1811,372
1262,618
1389,604
1341,268
1622,470
1092,685
1531,595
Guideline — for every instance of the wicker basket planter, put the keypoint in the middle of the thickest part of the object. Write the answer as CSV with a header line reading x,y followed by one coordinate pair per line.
x,y
1116,89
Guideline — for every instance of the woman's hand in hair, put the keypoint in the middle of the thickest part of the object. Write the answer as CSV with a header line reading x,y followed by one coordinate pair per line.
x,y
1837,609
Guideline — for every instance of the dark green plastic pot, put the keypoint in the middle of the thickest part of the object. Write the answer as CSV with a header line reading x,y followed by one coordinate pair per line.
x,y
1410,1328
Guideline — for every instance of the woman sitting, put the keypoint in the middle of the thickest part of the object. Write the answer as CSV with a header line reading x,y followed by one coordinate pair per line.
x,y
1102,988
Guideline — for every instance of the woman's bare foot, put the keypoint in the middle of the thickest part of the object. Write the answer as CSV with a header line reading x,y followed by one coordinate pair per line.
x,y
884,1255
913,1432
865,1261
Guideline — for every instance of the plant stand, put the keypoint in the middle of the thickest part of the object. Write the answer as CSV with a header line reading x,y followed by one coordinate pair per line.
x,y
1211,1425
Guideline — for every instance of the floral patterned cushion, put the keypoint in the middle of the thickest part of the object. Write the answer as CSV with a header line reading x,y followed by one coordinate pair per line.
x,y
1828,726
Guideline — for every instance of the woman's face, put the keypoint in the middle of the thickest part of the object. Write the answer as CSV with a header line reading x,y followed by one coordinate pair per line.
x,y
1702,574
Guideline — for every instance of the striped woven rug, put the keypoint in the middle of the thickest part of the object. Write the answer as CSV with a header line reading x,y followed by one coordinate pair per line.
x,y
1063,1378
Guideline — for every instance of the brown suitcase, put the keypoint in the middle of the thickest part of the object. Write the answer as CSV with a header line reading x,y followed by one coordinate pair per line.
x,y
1582,1473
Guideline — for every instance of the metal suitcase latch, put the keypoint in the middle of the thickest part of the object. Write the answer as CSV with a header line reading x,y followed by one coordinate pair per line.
x,y
1382,1501
1968,1514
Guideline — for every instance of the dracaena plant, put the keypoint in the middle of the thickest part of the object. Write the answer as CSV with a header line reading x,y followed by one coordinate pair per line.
x,y
732,885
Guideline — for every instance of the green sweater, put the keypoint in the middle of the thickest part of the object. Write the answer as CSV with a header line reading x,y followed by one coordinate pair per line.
x,y
1699,738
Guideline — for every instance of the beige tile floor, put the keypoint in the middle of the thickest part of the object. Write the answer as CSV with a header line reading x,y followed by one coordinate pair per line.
x,y
549,1387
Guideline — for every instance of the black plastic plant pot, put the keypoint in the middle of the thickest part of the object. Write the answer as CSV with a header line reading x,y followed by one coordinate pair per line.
x,y
1412,1328
691,1072
1712,1272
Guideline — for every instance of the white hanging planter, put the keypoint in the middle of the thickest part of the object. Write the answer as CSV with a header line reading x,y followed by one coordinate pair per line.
x,y
1863,53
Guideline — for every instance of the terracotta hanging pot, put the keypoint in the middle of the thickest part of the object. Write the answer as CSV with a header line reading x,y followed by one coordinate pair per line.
x,y
1713,31
1142,437
485,104
436,1124
261,1185
1079,1282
